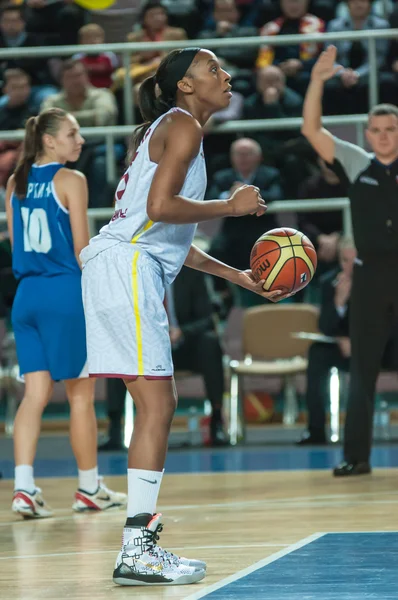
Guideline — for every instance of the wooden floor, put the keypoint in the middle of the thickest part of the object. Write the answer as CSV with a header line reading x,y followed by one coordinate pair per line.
x,y
230,520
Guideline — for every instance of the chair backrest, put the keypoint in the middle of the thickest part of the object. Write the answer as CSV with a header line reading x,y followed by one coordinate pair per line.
x,y
267,330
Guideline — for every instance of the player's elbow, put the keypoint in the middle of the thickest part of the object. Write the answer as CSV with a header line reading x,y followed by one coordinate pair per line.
x,y
155,210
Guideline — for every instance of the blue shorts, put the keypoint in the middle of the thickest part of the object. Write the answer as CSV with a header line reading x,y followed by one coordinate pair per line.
x,y
49,326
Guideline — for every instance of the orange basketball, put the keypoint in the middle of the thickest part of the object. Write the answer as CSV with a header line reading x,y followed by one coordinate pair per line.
x,y
285,259
258,407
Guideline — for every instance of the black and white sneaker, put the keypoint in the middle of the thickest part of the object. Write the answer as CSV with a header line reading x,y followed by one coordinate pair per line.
x,y
142,562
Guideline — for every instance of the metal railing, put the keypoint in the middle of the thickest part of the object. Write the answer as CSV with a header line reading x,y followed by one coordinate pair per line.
x,y
9,374
128,48
110,134
279,206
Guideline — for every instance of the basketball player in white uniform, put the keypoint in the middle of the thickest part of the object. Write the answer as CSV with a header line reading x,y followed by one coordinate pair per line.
x,y
149,238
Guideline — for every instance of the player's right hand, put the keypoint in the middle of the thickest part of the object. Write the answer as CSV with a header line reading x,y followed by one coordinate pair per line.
x,y
325,67
246,200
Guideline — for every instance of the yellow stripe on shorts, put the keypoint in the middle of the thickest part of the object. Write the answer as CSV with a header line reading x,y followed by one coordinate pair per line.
x,y
136,305
137,315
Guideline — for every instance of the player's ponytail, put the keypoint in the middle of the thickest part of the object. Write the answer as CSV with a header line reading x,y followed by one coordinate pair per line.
x,y
151,108
158,94
30,149
48,122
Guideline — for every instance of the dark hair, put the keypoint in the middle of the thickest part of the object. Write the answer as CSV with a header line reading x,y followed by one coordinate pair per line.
x,y
154,103
13,8
381,110
10,74
150,6
47,122
70,64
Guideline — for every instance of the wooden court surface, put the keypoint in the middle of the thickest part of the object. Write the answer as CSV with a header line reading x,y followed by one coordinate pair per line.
x,y
231,520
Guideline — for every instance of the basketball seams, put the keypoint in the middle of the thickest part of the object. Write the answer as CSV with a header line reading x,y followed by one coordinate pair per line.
x,y
265,254
291,244
295,266
273,274
307,260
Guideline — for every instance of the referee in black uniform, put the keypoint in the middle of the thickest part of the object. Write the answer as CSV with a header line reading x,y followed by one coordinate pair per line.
x,y
372,181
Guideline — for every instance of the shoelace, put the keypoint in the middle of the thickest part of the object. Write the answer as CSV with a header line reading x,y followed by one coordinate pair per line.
x,y
151,538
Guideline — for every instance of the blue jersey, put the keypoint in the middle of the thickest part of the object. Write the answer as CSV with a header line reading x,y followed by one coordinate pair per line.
x,y
42,235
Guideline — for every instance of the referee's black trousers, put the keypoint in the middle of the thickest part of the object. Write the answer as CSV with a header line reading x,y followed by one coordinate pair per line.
x,y
373,320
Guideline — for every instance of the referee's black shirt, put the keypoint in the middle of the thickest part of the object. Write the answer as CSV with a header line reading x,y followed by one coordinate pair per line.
x,y
373,193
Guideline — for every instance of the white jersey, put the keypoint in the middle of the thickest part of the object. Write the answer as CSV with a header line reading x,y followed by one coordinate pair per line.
x,y
167,243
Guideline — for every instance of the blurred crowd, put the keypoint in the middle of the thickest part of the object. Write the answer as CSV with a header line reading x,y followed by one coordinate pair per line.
x,y
268,83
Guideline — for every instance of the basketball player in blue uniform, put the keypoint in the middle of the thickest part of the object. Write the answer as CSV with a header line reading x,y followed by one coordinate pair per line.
x,y
125,270
46,213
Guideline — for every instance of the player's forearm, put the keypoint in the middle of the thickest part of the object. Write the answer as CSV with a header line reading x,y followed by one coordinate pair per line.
x,y
181,210
199,260
312,111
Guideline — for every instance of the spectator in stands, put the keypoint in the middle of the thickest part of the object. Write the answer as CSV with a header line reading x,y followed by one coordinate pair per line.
x,y
347,92
249,11
235,241
393,18
273,99
225,24
184,14
154,28
13,35
195,347
389,92
13,115
333,322
59,22
283,149
379,8
323,228
295,61
100,67
92,107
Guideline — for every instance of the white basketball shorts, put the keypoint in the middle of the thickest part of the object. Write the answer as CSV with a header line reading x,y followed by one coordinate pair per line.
x,y
126,321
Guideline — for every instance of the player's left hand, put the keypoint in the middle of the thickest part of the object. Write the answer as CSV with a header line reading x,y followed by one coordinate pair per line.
x,y
246,280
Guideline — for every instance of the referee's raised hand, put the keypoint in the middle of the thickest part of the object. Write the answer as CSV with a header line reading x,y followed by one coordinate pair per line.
x,y
325,67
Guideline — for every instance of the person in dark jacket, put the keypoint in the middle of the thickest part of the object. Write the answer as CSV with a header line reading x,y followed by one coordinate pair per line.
x,y
333,322
235,240
13,34
371,180
275,100
225,24
323,227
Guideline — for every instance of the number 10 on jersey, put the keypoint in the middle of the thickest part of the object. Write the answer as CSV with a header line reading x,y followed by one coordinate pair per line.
x,y
36,232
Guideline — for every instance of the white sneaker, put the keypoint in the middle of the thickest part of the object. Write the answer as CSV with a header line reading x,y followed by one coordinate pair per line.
x,y
102,499
142,562
30,506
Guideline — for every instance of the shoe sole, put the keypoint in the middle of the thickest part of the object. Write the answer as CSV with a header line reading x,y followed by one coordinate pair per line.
x,y
183,580
81,508
198,566
28,514
358,474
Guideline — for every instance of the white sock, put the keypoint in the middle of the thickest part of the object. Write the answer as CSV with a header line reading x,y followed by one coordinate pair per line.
x,y
88,480
143,490
24,478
